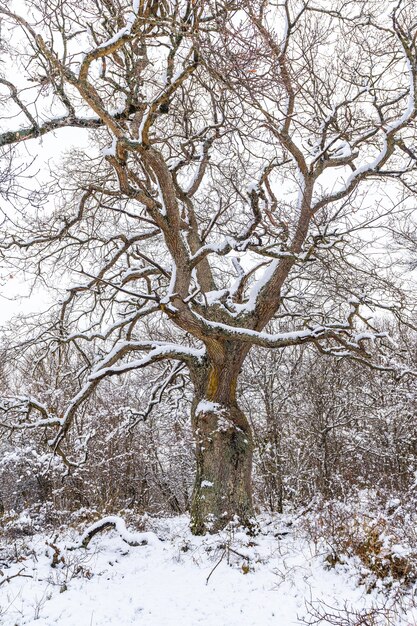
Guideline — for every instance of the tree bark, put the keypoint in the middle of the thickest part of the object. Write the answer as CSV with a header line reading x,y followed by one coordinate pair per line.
x,y
223,488
224,447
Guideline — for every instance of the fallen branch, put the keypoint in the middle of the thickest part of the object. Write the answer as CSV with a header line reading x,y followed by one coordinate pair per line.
x,y
19,574
131,538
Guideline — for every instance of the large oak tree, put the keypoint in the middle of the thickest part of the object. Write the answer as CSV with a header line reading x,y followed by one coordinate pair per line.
x,y
235,168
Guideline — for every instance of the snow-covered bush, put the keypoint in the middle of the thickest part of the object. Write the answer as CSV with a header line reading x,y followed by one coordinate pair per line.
x,y
26,475
374,532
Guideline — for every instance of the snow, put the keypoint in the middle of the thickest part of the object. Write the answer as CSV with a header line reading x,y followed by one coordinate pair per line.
x,y
143,122
253,186
409,111
116,37
157,348
215,297
400,551
160,350
199,155
120,527
161,198
218,247
172,282
205,406
340,149
276,338
126,30
226,579
260,283
369,167
343,149
111,150
387,131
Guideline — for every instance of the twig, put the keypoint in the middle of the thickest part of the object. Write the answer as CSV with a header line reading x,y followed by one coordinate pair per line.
x,y
19,573
216,566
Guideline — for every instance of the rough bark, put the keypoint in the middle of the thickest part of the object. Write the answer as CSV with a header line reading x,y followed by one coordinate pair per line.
x,y
223,488
224,448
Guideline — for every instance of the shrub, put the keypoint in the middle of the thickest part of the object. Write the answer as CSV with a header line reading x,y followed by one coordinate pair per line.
x,y
374,532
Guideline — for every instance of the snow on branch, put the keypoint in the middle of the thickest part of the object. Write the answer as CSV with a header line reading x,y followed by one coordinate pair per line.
x,y
11,137
113,521
22,407
281,340
159,350
107,367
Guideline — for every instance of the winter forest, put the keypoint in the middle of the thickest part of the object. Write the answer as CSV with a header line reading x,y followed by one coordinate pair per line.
x,y
208,268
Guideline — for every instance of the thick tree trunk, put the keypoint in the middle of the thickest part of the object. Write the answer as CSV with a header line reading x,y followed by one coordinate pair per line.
x,y
223,487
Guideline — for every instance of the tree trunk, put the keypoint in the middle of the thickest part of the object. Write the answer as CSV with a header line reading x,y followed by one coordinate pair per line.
x,y
223,486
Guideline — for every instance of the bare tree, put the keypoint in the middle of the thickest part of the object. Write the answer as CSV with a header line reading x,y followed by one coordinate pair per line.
x,y
233,150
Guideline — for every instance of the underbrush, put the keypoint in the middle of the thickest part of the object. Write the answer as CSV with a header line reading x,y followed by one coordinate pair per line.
x,y
45,518
369,538
373,532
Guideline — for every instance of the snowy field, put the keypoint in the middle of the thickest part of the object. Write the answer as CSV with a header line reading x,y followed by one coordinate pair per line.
x,y
276,578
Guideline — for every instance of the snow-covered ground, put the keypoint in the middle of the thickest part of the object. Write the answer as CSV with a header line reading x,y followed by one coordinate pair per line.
x,y
228,579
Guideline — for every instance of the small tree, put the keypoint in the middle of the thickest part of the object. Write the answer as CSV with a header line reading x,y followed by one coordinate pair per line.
x,y
233,147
